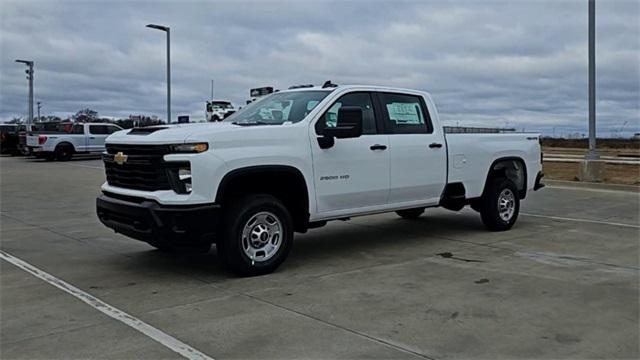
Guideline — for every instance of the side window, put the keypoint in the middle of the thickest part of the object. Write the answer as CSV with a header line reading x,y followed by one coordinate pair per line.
x,y
405,114
77,129
111,129
360,99
98,129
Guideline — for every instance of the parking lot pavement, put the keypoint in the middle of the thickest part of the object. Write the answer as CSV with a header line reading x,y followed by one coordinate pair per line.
x,y
563,283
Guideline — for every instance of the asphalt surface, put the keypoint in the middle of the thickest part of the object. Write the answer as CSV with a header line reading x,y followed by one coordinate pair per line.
x,y
563,283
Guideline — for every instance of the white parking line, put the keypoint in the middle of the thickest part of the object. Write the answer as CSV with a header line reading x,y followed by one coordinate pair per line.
x,y
170,342
582,220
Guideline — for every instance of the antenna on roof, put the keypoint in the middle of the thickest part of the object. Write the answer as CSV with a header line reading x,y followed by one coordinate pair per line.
x,y
328,84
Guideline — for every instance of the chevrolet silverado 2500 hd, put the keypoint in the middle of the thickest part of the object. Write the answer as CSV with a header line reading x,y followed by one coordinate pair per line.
x,y
296,159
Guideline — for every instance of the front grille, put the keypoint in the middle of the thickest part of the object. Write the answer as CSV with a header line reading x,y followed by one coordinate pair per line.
x,y
144,168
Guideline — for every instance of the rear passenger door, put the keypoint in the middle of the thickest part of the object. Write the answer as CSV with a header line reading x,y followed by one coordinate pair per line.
x,y
418,159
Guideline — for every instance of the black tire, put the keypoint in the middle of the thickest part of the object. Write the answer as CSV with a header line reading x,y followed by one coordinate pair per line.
x,y
230,245
215,118
410,213
64,152
490,208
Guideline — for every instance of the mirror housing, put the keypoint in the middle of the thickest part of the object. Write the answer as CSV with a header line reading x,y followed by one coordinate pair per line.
x,y
348,124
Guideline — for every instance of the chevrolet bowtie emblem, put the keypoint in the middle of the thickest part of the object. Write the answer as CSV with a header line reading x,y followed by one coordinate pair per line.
x,y
120,158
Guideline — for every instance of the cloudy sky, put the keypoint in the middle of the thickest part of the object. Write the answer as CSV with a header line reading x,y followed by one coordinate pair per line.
x,y
492,63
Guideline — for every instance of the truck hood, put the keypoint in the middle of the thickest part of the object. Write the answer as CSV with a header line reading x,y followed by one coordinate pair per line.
x,y
166,134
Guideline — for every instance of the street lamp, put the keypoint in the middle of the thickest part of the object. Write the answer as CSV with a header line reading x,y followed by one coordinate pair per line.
x,y
29,72
168,31
592,154
592,168
39,106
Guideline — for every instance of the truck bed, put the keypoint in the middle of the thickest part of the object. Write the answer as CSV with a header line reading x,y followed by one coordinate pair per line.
x,y
470,156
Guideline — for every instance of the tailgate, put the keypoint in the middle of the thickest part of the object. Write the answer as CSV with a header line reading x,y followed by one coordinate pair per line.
x,y
32,140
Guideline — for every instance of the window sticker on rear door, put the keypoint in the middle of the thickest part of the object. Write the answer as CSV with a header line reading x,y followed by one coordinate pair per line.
x,y
405,113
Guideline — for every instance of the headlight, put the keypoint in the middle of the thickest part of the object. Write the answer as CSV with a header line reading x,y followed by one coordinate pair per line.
x,y
189,148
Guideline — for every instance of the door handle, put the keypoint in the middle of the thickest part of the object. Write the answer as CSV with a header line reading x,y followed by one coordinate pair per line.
x,y
91,137
378,147
435,145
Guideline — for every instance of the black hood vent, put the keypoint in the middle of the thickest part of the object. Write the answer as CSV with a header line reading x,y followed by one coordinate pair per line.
x,y
145,130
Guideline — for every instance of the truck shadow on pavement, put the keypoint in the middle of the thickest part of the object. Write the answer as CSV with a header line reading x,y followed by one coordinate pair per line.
x,y
348,244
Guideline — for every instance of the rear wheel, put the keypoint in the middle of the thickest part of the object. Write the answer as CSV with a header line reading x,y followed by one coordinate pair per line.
x,y
410,213
257,235
64,152
500,205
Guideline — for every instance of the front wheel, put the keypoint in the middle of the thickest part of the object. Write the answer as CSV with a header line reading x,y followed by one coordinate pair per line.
x,y
500,205
257,235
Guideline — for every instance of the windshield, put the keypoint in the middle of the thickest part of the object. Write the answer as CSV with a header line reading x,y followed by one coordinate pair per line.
x,y
278,108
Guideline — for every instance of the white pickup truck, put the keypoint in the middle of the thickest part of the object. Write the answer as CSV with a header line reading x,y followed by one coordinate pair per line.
x,y
83,138
296,159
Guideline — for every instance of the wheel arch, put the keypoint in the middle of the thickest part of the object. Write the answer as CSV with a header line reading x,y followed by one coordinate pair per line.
x,y
285,182
65,143
513,168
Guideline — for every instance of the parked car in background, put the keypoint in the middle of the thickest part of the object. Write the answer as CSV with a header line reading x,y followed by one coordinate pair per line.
x,y
9,139
218,110
81,139
295,159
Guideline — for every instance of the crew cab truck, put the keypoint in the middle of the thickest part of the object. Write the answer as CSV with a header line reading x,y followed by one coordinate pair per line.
x,y
82,138
296,159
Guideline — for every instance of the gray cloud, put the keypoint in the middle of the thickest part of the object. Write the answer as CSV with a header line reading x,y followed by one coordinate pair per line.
x,y
490,63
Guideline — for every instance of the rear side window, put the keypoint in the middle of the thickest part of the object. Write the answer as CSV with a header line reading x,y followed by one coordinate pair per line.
x,y
359,99
77,129
103,129
405,114
111,129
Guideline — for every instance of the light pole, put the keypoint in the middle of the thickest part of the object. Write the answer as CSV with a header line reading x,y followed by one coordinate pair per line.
x,y
592,168
168,31
211,89
29,72
39,106
592,154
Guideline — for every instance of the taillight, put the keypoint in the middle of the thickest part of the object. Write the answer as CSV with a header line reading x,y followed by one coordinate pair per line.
x,y
42,139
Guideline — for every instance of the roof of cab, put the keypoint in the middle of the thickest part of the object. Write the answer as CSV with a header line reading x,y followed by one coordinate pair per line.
x,y
356,87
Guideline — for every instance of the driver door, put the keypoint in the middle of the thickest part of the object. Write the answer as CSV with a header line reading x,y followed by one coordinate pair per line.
x,y
354,172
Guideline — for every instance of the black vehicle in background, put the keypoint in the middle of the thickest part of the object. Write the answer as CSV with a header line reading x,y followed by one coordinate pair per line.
x,y
9,139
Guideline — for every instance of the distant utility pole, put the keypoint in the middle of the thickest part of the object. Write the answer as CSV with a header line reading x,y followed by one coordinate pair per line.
x,y
211,89
29,72
39,106
592,154
168,31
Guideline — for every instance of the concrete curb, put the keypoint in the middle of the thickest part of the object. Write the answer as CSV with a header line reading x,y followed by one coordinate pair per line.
x,y
591,185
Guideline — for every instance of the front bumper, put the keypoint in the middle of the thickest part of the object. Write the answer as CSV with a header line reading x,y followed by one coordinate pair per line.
x,y
149,221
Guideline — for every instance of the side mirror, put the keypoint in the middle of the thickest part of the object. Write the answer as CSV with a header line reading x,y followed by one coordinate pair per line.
x,y
277,115
348,124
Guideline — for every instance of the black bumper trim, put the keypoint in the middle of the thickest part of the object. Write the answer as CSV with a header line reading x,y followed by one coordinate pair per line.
x,y
151,221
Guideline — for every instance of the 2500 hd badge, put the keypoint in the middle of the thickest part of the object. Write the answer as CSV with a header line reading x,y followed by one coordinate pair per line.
x,y
334,177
